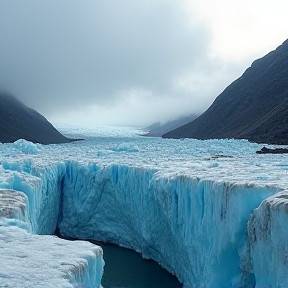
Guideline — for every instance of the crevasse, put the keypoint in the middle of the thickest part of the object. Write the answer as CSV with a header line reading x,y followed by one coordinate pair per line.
x,y
195,227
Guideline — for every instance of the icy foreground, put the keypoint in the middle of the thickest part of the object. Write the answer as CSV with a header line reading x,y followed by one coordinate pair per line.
x,y
29,260
194,206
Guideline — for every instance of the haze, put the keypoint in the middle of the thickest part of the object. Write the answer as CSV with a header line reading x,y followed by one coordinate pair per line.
x,y
131,62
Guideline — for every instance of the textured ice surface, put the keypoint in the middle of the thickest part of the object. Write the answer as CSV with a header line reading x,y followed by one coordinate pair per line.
x,y
13,209
268,235
184,203
47,261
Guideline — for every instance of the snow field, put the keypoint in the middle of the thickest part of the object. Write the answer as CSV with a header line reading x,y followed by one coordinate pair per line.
x,y
185,204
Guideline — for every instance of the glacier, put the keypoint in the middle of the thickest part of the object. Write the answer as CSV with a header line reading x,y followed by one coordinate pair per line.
x,y
213,212
29,260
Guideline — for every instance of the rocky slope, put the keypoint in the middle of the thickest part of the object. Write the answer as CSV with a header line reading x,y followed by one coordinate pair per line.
x,y
17,121
254,107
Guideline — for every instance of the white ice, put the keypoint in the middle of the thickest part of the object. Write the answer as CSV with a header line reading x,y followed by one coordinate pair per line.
x,y
185,204
39,261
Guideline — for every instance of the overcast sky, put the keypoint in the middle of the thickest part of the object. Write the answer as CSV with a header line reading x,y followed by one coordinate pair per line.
x,y
130,62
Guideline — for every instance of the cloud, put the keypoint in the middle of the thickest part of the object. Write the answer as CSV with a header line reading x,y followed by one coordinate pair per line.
x,y
62,54
112,61
243,27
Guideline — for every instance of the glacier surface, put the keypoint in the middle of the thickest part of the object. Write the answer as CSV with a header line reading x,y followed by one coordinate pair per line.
x,y
38,261
214,213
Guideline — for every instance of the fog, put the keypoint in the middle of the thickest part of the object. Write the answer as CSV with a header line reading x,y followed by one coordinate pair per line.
x,y
119,62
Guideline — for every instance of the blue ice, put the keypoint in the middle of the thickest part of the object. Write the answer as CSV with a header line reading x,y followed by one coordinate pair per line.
x,y
205,210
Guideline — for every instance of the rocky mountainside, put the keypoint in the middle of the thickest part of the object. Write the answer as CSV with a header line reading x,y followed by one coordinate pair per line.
x,y
17,121
157,129
254,107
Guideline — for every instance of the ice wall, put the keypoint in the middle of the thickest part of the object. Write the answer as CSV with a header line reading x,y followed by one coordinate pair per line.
x,y
196,227
268,238
42,185
193,227
29,260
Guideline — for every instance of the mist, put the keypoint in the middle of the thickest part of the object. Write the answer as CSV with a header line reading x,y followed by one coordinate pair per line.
x,y
111,62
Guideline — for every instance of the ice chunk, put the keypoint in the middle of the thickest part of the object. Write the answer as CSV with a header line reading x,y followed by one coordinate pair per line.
x,y
124,147
26,147
47,261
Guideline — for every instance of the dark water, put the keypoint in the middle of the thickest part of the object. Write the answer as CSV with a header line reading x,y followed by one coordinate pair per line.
x,y
125,268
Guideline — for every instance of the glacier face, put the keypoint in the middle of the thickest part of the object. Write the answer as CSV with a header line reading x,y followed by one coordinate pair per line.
x,y
193,227
268,237
185,204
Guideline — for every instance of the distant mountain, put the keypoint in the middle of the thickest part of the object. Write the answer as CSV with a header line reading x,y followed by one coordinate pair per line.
x,y
254,107
157,129
17,121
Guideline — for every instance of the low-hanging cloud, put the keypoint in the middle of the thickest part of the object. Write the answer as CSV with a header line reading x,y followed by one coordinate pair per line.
x,y
61,56
66,53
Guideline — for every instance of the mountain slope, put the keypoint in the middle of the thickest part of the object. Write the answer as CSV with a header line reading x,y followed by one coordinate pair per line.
x,y
18,121
254,107
157,129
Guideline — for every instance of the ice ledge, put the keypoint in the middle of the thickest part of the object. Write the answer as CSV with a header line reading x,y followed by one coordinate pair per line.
x,y
29,260
14,209
268,238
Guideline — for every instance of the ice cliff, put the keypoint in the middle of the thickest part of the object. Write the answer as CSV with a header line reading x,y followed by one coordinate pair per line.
x,y
268,238
209,231
194,227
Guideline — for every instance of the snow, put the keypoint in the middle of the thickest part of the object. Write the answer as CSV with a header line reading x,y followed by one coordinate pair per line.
x,y
185,203
53,262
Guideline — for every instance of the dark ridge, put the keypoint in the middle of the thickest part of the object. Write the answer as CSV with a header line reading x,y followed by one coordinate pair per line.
x,y
266,150
254,107
17,121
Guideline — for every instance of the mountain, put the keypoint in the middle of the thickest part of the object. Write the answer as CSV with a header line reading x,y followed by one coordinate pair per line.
x,y
157,129
254,107
17,121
